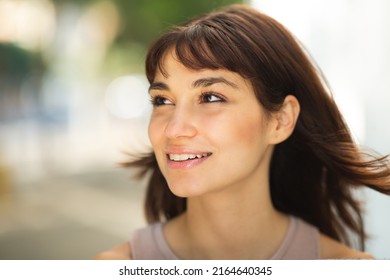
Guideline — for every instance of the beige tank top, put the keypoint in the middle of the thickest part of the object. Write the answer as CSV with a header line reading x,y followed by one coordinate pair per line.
x,y
301,242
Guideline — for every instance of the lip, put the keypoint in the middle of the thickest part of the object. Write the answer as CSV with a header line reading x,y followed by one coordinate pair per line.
x,y
186,164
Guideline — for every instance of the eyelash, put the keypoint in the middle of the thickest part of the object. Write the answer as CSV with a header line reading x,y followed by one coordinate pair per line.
x,y
212,94
159,100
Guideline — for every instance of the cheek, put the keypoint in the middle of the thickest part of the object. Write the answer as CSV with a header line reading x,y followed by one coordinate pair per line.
x,y
241,130
154,132
255,132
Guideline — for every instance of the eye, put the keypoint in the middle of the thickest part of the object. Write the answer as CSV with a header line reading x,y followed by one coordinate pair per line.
x,y
209,97
160,100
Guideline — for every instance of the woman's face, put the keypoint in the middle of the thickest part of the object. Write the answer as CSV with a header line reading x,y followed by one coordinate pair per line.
x,y
207,129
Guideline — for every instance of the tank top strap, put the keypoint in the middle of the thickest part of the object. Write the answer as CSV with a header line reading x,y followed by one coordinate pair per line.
x,y
149,244
301,242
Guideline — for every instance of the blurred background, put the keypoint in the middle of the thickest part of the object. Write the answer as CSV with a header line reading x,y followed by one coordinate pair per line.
x,y
73,100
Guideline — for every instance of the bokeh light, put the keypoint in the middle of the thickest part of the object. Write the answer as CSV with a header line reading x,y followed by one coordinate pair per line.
x,y
127,97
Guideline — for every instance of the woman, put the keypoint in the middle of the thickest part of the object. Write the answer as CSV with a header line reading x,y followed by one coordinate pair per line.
x,y
251,156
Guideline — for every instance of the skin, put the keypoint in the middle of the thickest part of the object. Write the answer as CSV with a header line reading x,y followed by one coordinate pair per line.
x,y
229,211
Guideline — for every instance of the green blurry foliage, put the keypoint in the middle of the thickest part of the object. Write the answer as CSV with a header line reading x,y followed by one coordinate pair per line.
x,y
17,63
143,20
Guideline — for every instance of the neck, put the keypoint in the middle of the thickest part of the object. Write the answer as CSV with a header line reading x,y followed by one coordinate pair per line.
x,y
219,226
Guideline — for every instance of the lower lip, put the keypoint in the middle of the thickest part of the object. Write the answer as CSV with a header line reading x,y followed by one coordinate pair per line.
x,y
186,164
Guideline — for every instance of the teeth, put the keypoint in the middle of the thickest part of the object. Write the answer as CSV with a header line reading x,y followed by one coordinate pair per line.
x,y
182,157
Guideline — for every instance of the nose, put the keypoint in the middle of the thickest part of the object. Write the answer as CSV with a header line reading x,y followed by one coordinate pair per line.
x,y
181,124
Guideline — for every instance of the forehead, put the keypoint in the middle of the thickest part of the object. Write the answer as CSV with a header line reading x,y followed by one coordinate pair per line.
x,y
174,71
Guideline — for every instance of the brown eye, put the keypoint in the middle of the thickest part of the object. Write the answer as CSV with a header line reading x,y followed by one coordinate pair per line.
x,y
160,100
209,97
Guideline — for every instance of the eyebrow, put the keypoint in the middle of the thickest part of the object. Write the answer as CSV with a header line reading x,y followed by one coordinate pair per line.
x,y
158,86
203,82
206,82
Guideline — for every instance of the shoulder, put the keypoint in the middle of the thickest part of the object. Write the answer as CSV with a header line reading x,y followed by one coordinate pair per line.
x,y
121,252
332,249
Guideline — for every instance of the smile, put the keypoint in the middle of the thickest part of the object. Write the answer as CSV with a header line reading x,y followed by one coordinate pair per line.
x,y
184,157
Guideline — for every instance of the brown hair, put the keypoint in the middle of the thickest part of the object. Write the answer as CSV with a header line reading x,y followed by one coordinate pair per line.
x,y
312,173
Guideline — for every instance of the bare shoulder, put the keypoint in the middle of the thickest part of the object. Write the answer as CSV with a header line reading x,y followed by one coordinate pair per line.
x,y
121,252
332,249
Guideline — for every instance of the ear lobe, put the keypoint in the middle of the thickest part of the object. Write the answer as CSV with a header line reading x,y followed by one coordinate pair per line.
x,y
286,119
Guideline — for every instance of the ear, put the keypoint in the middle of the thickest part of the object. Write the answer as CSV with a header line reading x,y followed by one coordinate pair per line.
x,y
285,120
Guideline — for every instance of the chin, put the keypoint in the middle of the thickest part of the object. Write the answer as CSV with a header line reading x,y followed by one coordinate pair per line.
x,y
185,190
